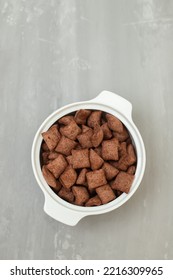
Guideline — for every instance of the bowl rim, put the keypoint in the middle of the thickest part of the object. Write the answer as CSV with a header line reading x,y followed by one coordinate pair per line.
x,y
136,138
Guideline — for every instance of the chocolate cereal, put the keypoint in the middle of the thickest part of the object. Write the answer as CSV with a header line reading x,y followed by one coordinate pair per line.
x,y
87,158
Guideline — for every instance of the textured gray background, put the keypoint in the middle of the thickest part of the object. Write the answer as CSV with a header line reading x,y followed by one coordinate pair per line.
x,y
56,52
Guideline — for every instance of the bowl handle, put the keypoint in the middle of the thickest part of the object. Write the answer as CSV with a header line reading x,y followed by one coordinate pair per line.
x,y
119,103
61,213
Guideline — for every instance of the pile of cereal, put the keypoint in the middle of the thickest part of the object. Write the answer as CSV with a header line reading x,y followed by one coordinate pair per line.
x,y
88,158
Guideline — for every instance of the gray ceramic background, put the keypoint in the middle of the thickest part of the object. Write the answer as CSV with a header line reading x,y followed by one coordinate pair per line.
x,y
56,52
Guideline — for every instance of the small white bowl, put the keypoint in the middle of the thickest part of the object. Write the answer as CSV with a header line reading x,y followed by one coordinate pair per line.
x,y
58,208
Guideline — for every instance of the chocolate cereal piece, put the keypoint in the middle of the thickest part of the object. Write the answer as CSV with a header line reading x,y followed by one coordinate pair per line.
x,y
58,186
107,134
95,160
105,193
123,182
123,163
98,150
51,137
57,166
44,157
48,176
65,146
131,170
114,163
122,149
110,171
53,155
110,149
66,194
131,154
93,201
127,158
66,120
68,177
94,119
85,128
121,136
80,158
81,195
97,136
85,138
81,116
114,123
81,180
44,147
96,178
69,159
129,141
71,131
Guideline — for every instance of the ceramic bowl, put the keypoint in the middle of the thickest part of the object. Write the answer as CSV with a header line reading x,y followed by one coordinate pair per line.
x,y
66,212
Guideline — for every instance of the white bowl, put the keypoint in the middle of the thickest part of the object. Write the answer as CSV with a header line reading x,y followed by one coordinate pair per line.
x,y
58,208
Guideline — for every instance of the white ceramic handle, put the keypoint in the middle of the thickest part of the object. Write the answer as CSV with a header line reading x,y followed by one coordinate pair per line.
x,y
117,102
61,213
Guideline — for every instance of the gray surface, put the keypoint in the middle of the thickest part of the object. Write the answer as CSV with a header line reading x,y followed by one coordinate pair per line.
x,y
57,52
